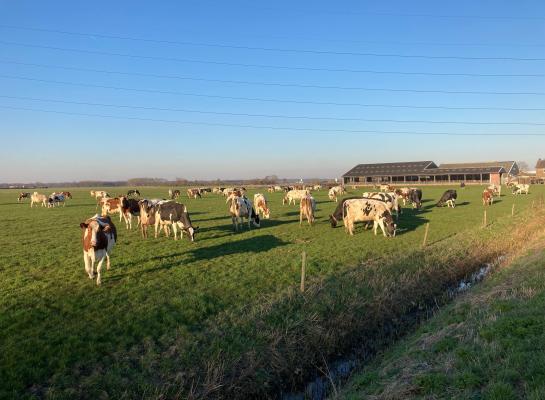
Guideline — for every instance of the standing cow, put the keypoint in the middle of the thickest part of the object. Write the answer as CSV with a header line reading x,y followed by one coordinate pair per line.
x,y
38,198
294,195
307,207
261,206
99,237
170,213
488,197
240,208
23,195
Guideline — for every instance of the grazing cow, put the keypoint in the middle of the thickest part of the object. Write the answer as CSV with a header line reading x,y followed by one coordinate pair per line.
x,y
334,192
194,193
278,188
338,213
205,190
38,198
133,192
68,195
23,195
173,194
368,210
307,207
415,197
294,195
390,199
99,237
448,198
170,213
495,189
386,188
317,187
488,197
521,188
261,206
270,189
240,208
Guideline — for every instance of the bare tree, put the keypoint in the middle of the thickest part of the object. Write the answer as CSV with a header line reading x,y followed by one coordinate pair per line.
x,y
523,166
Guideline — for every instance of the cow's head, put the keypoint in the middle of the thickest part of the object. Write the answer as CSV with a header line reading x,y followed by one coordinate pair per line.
x,y
333,221
90,230
389,225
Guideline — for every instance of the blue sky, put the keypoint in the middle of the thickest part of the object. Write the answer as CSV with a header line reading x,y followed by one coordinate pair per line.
x,y
66,55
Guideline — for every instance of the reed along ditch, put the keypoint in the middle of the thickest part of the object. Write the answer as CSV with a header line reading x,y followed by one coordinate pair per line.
x,y
292,345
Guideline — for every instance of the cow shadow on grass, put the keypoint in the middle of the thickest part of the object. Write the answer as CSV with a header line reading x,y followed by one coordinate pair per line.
x,y
255,244
408,223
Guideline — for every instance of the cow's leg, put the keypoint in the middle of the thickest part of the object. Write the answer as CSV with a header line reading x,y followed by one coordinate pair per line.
x,y
156,227
175,229
99,268
107,261
300,217
88,265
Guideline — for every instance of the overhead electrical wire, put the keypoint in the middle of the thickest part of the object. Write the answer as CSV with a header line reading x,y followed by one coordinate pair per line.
x,y
279,128
303,117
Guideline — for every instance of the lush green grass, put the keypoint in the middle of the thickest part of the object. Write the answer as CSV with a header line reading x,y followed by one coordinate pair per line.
x,y
165,305
489,344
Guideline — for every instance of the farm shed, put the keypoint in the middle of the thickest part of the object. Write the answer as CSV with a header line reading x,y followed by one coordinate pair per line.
x,y
427,172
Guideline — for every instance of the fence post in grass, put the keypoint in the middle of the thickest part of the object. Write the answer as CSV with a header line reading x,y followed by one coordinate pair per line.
x,y
426,235
303,266
484,219
513,210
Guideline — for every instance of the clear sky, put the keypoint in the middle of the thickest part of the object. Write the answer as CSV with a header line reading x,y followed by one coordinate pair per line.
x,y
242,89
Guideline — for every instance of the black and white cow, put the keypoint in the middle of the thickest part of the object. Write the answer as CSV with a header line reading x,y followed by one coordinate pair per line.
x,y
133,192
240,208
448,198
170,213
338,213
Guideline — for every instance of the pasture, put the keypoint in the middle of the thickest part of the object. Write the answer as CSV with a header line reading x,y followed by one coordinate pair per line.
x,y
167,305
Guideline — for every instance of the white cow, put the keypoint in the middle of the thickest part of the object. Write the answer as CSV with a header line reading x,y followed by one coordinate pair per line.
x,y
334,192
368,210
521,188
294,195
38,198
390,199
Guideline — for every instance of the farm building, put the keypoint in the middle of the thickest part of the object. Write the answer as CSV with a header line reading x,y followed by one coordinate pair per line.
x,y
427,172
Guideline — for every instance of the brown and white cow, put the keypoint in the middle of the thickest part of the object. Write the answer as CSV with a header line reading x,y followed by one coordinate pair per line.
x,y
114,205
194,193
261,206
488,197
294,195
99,237
495,189
240,208
38,198
368,210
23,195
307,207
404,194
386,188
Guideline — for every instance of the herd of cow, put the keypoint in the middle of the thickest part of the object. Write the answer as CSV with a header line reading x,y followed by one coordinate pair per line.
x,y
380,208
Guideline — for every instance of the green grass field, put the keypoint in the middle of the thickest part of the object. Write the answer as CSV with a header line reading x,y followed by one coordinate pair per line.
x,y
488,344
165,305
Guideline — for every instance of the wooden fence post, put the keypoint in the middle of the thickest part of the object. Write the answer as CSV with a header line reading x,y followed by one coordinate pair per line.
x,y
303,266
484,219
426,235
513,210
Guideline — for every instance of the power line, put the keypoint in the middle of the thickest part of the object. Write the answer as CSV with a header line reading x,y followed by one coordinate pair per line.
x,y
301,51
303,117
312,130
250,65
321,39
271,100
304,86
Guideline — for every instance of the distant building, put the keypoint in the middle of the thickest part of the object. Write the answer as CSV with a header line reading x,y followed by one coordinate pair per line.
x,y
540,168
427,172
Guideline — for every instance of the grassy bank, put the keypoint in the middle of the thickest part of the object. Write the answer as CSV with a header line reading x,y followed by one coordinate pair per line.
x,y
223,316
488,344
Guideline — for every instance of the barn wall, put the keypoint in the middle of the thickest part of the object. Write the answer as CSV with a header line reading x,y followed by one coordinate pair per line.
x,y
495,179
